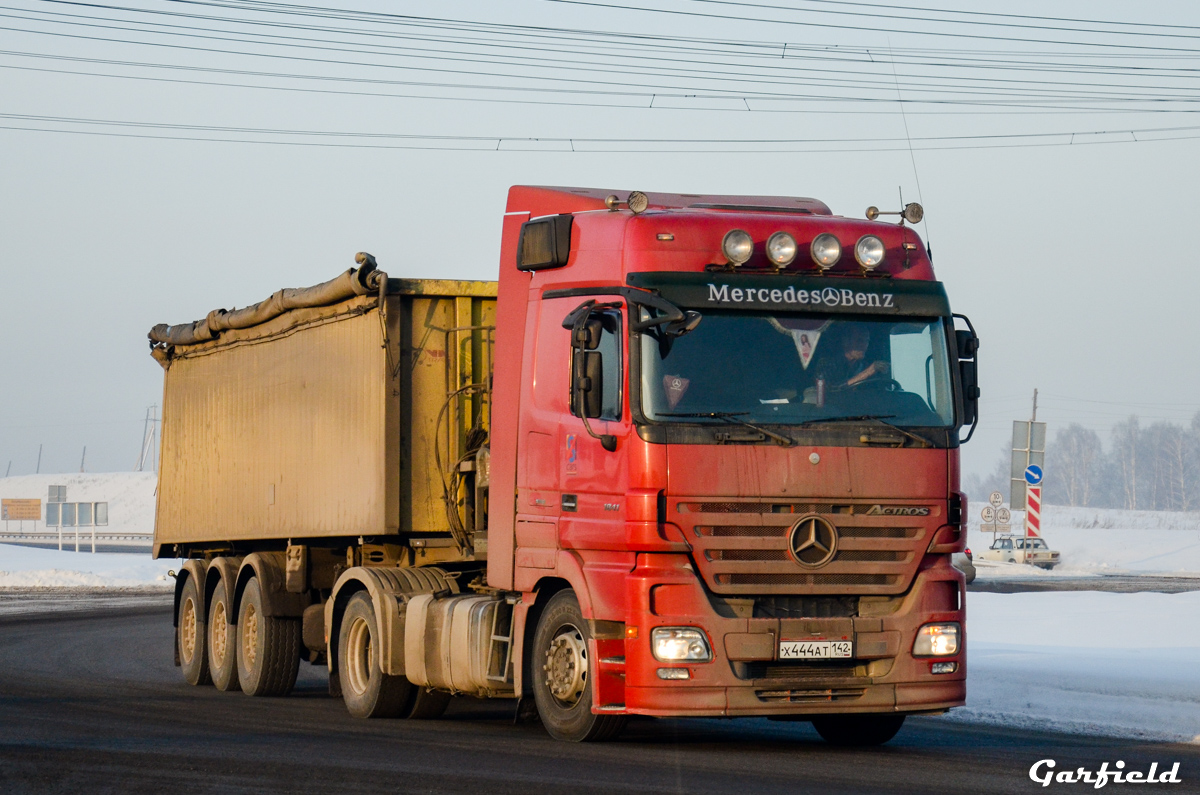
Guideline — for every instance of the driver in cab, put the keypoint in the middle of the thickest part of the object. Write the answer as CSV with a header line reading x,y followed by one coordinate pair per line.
x,y
852,368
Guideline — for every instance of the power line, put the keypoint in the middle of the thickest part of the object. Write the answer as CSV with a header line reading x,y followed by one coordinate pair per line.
x,y
860,28
582,144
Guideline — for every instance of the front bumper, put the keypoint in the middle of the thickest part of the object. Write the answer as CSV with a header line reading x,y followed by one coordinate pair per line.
x,y
745,678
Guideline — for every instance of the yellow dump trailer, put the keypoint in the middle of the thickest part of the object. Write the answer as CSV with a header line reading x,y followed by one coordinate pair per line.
x,y
343,410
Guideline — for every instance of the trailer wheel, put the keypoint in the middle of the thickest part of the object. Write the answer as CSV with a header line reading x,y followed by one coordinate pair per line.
x,y
858,730
190,635
366,689
268,647
562,674
222,643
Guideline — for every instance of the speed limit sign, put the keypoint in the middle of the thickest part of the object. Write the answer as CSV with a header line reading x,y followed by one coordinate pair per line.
x,y
996,499
1003,516
988,514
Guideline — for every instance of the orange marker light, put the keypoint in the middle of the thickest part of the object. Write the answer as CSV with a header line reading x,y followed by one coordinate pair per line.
x,y
631,633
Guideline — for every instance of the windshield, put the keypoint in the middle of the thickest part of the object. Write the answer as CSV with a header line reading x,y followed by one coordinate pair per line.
x,y
798,368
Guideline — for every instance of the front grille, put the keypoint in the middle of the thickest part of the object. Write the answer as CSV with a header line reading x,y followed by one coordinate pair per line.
x,y
740,531
807,579
757,531
814,696
805,606
825,669
741,548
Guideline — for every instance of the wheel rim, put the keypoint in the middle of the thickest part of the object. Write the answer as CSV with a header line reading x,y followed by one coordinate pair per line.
x,y
566,666
250,636
187,631
358,656
219,633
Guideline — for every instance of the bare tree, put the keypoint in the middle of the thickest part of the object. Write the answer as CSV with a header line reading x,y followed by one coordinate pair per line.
x,y
1073,457
1126,437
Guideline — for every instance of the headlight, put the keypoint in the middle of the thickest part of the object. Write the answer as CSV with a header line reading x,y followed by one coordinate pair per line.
x,y
826,250
869,251
781,248
679,644
936,640
737,246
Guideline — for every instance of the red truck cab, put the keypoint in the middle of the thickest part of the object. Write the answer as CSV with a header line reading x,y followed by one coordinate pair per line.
x,y
725,462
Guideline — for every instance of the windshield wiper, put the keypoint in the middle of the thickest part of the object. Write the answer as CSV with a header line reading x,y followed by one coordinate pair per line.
x,y
733,417
880,418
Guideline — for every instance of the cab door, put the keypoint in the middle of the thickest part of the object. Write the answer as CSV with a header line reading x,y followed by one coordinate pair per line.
x,y
593,480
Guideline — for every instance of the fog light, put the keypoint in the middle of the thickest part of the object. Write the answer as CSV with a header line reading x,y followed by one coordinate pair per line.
x,y
781,249
672,644
674,673
936,640
737,246
869,251
943,667
826,250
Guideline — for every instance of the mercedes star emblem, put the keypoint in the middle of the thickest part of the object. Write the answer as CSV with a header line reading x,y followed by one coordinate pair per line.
x,y
813,542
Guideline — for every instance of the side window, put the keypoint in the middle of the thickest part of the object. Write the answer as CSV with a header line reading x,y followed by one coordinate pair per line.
x,y
609,349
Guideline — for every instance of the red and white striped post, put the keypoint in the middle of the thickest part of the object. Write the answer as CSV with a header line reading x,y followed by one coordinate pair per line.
x,y
1033,511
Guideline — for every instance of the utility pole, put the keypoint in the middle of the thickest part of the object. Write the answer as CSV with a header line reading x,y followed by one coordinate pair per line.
x,y
149,437
38,471
83,460
1034,417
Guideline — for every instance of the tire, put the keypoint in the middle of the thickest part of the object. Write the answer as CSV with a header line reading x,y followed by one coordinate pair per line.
x,y
562,673
190,635
858,730
426,704
268,648
366,689
222,642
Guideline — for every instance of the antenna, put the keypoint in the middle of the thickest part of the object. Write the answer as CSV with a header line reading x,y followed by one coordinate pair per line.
x,y
911,155
7,471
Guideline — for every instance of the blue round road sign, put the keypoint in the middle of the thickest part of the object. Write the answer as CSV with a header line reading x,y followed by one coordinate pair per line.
x,y
1033,474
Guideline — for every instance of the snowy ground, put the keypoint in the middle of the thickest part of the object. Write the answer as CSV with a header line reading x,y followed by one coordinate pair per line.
x,y
1086,662
27,567
1096,541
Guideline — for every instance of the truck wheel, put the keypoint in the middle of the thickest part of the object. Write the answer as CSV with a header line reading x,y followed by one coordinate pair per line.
x,y
190,636
426,704
222,643
366,689
562,675
858,730
268,648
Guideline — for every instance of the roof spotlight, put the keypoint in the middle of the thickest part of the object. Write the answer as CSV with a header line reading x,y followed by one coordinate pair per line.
x,y
637,202
869,252
826,250
781,249
737,246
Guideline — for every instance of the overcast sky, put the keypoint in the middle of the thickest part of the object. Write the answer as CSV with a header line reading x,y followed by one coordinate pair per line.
x,y
161,162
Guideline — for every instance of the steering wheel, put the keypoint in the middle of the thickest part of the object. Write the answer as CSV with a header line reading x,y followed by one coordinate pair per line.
x,y
882,383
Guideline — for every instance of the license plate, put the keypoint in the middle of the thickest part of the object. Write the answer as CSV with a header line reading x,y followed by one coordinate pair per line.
x,y
815,649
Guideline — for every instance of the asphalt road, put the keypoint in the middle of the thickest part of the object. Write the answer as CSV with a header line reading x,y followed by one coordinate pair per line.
x,y
90,702
1112,583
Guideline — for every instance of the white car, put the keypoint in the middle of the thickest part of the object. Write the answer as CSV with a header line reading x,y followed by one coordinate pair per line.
x,y
1019,549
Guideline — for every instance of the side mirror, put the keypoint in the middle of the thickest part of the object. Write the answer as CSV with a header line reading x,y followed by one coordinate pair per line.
x,y
967,344
969,375
587,383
